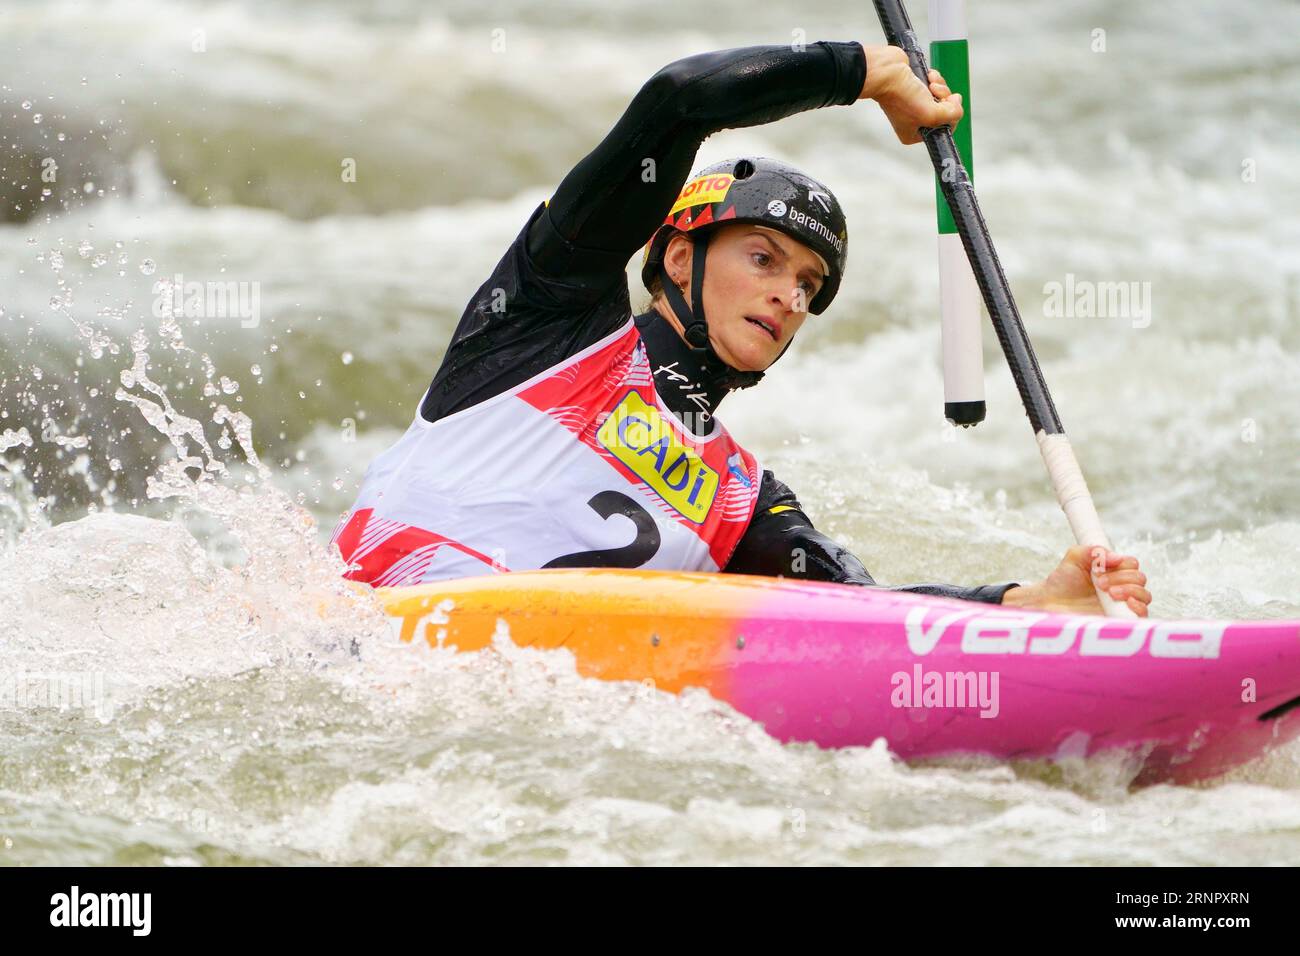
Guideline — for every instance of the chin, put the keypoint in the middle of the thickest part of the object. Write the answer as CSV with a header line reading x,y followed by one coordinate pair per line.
x,y
753,356
748,361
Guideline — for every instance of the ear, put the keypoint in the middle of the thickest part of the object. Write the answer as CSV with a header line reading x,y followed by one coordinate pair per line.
x,y
678,258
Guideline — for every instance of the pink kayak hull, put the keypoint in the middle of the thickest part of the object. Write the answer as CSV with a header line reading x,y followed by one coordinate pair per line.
x,y
841,666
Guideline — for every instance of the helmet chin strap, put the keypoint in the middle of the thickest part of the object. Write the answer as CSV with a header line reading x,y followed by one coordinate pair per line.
x,y
695,328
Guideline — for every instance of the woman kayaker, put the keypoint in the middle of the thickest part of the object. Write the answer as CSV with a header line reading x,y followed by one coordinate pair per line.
x,y
563,430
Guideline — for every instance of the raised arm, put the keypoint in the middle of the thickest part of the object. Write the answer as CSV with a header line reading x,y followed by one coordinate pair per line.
x,y
561,285
605,209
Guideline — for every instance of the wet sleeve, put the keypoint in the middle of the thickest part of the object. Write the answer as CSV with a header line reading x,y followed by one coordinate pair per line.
x,y
611,202
782,542
561,285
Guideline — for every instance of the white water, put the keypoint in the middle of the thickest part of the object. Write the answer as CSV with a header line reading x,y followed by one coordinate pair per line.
x,y
244,725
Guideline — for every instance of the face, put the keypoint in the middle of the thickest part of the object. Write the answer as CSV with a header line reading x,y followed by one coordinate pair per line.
x,y
757,286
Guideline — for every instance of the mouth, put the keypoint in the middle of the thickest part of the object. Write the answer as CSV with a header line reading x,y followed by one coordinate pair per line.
x,y
766,324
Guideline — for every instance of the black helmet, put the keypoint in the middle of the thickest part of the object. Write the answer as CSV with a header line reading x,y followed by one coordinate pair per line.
x,y
767,192
755,189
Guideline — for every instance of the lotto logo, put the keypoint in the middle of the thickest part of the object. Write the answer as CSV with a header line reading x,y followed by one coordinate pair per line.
x,y
705,189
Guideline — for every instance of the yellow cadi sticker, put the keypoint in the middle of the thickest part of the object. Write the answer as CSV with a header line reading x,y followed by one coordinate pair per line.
x,y
637,436
703,189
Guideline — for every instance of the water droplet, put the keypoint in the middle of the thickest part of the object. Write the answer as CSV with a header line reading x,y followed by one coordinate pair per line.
x,y
89,187
128,378
84,248
114,464
62,137
347,358
37,118
255,369
228,386
337,484
147,266
27,104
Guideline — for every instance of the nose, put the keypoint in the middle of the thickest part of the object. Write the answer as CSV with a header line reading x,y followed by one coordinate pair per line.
x,y
787,295
783,292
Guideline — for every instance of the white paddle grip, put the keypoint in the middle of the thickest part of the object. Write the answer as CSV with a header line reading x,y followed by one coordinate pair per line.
x,y
1076,502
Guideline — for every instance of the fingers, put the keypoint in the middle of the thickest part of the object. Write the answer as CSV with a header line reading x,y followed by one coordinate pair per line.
x,y
1085,557
944,112
908,134
908,107
1121,576
1130,591
1113,558
1125,584
954,109
940,91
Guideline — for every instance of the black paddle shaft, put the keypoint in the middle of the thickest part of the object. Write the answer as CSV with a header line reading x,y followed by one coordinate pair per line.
x,y
960,195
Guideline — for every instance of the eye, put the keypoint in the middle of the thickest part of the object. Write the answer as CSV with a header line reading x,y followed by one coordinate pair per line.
x,y
762,258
